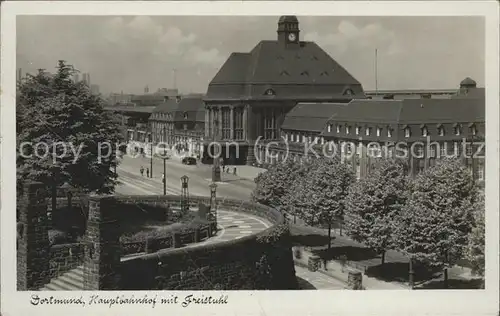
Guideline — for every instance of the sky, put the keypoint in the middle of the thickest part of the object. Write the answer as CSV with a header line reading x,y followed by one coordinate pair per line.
x,y
128,53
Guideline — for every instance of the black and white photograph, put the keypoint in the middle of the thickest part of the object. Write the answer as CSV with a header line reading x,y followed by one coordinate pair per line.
x,y
180,159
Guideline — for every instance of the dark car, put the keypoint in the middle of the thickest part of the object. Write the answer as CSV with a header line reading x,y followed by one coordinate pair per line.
x,y
189,161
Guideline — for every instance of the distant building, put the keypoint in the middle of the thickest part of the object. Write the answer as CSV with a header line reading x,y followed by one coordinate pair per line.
x,y
94,89
180,122
76,77
86,79
119,98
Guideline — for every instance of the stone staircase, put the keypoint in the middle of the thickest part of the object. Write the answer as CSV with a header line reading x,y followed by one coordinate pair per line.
x,y
69,281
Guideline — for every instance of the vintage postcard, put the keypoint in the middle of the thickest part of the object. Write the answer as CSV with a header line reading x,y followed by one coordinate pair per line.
x,y
250,158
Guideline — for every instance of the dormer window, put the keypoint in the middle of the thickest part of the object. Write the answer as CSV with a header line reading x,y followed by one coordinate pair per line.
x,y
440,129
269,92
338,129
324,73
304,73
285,73
458,129
473,129
347,129
348,92
329,128
379,130
407,131
358,130
389,132
425,132
185,115
368,131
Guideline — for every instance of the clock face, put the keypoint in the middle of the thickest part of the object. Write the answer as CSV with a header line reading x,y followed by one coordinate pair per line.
x,y
292,37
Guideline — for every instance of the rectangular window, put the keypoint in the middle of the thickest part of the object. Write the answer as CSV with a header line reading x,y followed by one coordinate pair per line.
x,y
322,140
316,139
329,128
270,128
389,132
238,123
457,130
347,129
286,137
441,131
378,131
480,171
338,128
368,130
358,130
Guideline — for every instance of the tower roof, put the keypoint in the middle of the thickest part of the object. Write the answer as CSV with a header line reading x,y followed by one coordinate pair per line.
x,y
288,19
467,82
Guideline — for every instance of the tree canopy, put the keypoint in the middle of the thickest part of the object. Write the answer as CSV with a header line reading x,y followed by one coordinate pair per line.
x,y
374,204
56,115
434,225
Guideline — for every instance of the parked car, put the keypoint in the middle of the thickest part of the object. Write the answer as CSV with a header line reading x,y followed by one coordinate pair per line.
x,y
189,161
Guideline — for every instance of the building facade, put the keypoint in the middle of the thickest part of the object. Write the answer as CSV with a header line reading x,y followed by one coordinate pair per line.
x,y
418,130
248,99
180,124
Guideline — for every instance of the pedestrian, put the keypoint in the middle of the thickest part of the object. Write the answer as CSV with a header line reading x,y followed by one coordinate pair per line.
x,y
147,172
142,171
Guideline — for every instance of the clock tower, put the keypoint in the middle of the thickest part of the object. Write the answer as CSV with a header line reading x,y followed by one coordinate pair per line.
x,y
288,29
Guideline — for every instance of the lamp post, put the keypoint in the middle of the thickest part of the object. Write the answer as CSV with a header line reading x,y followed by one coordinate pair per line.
x,y
164,164
213,204
151,153
216,165
184,194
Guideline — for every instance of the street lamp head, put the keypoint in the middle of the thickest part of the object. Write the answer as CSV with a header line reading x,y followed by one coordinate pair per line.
x,y
213,186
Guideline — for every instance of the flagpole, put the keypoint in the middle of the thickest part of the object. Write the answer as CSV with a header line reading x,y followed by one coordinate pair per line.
x,y
376,71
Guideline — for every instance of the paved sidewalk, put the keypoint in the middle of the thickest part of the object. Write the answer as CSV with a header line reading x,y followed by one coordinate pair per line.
x,y
315,280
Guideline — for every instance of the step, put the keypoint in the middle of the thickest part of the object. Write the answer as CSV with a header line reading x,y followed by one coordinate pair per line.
x,y
61,283
74,276
65,279
53,287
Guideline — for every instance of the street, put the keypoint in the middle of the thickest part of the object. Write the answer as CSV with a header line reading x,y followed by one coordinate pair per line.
x,y
199,179
233,225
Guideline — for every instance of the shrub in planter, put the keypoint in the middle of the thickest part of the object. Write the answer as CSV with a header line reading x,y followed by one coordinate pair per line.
x,y
57,237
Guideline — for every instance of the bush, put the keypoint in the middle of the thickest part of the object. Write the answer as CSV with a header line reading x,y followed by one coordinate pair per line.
x,y
57,237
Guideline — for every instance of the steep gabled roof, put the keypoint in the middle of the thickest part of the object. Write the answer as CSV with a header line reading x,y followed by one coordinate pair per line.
x,y
191,107
310,116
165,107
442,111
299,72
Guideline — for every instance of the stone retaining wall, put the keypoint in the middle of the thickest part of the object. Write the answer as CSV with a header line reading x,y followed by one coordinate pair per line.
x,y
64,258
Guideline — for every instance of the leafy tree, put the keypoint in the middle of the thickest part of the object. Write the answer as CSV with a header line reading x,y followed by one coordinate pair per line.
x,y
273,185
321,195
373,204
435,223
62,115
475,248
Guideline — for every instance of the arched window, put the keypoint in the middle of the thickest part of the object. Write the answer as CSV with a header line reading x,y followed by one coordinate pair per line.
x,y
269,92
